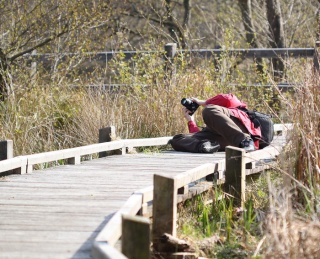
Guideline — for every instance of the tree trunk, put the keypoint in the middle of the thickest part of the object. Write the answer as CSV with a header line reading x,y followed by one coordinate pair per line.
x,y
175,30
245,7
3,76
276,37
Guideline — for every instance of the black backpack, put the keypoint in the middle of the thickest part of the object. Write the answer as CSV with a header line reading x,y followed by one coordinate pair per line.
x,y
264,121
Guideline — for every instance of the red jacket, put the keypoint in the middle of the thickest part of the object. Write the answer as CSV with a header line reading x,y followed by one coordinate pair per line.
x,y
232,103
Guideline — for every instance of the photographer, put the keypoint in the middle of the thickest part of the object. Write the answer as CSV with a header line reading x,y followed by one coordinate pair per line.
x,y
226,125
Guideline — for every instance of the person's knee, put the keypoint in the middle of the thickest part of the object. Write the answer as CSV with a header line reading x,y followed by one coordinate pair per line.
x,y
212,110
180,136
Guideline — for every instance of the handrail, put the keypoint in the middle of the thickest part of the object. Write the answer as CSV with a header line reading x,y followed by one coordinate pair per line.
x,y
25,163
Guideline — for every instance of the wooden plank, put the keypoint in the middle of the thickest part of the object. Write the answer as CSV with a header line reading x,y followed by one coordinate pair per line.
x,y
44,249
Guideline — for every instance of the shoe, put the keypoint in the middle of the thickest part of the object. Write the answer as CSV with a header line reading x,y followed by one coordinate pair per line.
x,y
209,147
247,144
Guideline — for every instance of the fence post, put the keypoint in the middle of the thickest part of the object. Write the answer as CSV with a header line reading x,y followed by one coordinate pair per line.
x,y
316,57
6,152
235,176
33,65
135,237
170,52
106,135
6,149
164,208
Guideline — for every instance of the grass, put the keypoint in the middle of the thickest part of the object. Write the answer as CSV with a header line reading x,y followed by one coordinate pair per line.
x,y
238,230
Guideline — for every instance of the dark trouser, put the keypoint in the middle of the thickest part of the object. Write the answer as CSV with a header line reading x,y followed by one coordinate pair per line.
x,y
220,127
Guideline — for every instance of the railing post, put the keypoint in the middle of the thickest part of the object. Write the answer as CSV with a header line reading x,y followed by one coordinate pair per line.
x,y
6,149
135,237
106,135
235,176
74,160
164,208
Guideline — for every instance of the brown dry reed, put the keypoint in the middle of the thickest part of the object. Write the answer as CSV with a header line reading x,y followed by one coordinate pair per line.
x,y
292,228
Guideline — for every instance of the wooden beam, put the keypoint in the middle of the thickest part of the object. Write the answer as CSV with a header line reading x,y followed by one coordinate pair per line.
x,y
6,149
235,176
256,53
16,165
135,240
106,135
164,208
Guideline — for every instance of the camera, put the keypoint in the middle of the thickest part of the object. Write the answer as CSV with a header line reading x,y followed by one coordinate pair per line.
x,y
190,105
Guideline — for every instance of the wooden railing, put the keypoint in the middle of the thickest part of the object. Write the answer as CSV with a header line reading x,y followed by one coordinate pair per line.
x,y
25,164
165,193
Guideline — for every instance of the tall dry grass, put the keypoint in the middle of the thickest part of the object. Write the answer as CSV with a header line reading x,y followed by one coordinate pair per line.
x,y
292,227
56,109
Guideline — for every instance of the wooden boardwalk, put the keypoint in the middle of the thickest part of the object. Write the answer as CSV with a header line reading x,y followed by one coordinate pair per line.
x,y
58,212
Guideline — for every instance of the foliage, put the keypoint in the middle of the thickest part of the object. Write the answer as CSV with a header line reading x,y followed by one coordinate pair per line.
x,y
213,214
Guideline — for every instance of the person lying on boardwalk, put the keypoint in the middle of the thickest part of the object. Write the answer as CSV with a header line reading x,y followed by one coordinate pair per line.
x,y
226,125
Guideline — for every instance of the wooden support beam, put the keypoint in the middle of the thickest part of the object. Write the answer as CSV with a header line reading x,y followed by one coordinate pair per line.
x,y
6,152
164,208
135,237
6,149
106,135
235,176
74,160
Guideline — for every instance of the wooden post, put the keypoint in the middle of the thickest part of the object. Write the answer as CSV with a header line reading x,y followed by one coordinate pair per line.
x,y
316,57
34,66
6,152
74,160
135,237
235,176
170,52
106,135
164,208
6,149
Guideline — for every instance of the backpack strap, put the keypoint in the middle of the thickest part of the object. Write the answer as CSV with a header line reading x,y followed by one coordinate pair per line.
x,y
252,116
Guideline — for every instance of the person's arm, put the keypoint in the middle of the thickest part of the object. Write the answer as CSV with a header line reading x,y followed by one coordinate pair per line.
x,y
198,101
192,126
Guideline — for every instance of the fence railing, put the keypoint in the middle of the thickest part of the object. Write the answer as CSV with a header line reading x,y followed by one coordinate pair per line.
x,y
170,52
